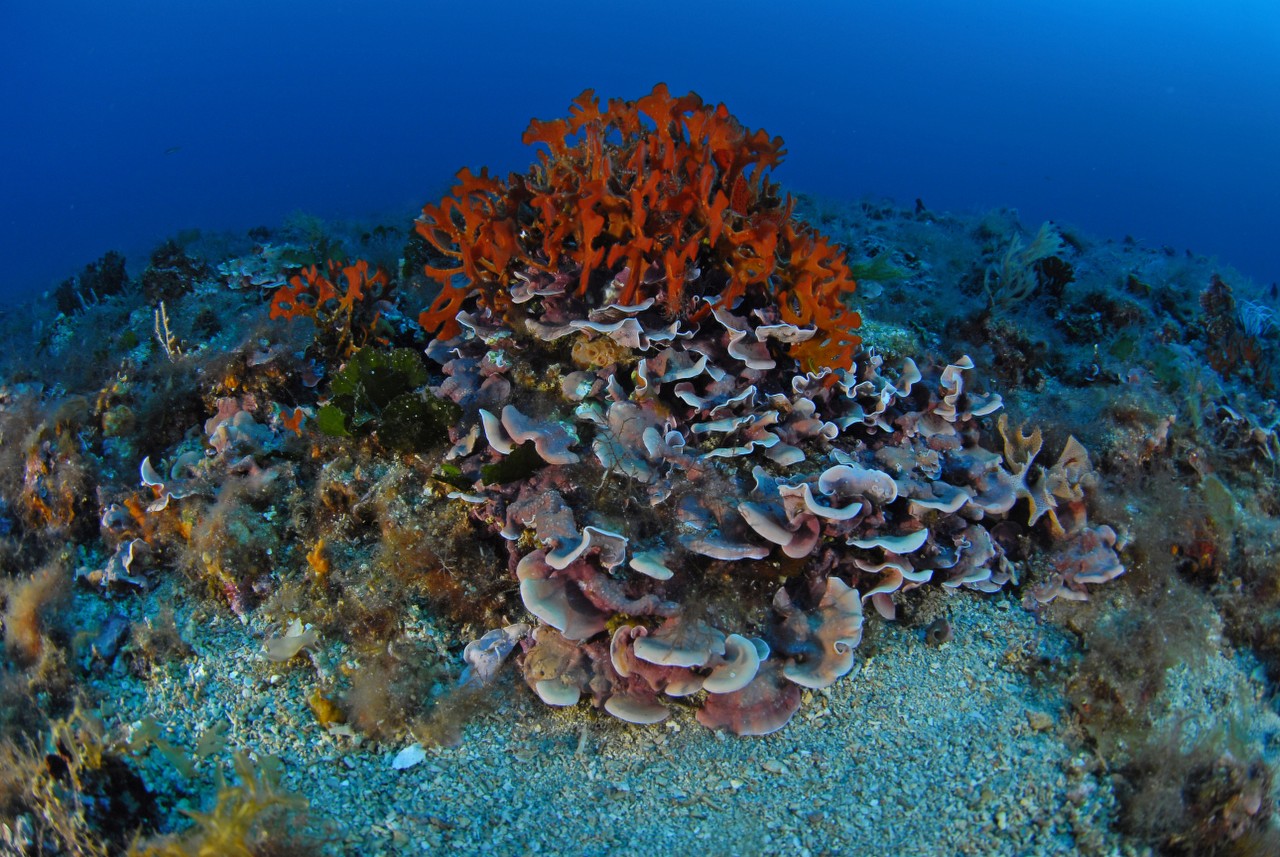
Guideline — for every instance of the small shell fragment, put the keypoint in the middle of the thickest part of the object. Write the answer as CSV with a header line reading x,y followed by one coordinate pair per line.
x,y
408,757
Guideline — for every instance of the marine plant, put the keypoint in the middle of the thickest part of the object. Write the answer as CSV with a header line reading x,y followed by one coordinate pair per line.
x,y
28,605
240,822
668,501
172,272
379,390
1235,334
309,241
1017,275
99,280
46,477
71,791
877,269
1211,797
646,402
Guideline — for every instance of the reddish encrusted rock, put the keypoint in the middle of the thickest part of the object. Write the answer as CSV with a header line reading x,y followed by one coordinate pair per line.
x,y
1087,556
763,706
556,668
818,643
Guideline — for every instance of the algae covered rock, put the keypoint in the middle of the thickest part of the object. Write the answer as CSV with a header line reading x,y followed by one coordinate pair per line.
x,y
381,392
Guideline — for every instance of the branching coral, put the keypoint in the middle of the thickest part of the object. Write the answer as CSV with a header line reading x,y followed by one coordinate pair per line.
x,y
664,199
348,314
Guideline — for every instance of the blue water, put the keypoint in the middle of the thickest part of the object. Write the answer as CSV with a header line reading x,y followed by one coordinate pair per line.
x,y
125,123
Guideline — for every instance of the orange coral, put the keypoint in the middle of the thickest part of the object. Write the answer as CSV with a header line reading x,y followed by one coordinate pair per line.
x,y
665,198
351,311
292,420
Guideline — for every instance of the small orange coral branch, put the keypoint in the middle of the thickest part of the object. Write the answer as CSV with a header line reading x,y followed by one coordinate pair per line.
x,y
292,420
292,301
350,312
660,188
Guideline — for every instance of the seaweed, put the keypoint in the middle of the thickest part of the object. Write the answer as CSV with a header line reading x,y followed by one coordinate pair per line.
x,y
28,612
99,280
877,269
1019,272
172,273
521,463
1205,799
378,392
72,793
1128,654
242,821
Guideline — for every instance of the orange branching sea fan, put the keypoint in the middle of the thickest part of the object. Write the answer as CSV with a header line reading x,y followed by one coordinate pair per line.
x,y
664,198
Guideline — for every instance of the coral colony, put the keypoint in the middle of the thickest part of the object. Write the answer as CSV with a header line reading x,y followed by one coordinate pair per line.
x,y
645,395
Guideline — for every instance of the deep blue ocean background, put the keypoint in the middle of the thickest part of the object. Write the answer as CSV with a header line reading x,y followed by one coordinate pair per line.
x,y
128,122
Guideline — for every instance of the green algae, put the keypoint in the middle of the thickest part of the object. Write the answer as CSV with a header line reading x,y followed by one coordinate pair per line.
x,y
379,391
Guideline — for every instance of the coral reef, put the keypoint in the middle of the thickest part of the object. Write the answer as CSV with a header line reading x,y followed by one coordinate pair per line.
x,y
642,318
634,454
748,448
